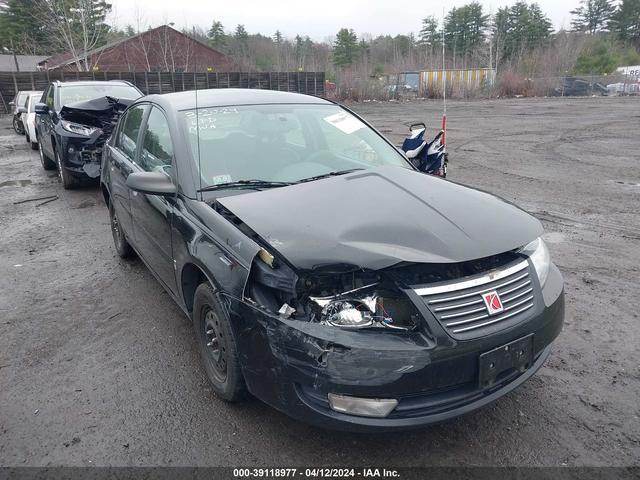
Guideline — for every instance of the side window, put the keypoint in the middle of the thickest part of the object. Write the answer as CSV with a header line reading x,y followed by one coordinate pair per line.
x,y
49,98
128,133
157,149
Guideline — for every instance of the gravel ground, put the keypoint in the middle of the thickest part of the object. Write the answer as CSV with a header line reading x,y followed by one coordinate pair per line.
x,y
99,367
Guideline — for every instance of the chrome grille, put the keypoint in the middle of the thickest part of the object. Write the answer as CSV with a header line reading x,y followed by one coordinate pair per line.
x,y
460,307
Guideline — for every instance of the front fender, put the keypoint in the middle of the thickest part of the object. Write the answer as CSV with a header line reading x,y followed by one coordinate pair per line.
x,y
202,237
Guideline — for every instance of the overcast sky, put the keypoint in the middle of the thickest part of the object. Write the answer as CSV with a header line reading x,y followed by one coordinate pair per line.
x,y
318,19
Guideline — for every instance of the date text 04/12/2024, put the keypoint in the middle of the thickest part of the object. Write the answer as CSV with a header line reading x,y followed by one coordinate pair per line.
x,y
315,473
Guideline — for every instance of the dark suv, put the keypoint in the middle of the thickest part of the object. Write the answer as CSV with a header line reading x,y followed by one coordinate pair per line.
x,y
73,121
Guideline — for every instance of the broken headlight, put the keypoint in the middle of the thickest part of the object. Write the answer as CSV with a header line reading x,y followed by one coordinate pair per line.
x,y
77,128
364,308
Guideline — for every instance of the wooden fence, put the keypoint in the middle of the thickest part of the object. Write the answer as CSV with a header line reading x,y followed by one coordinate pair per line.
x,y
310,83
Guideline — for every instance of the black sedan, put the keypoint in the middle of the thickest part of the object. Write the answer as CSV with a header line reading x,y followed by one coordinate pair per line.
x,y
323,273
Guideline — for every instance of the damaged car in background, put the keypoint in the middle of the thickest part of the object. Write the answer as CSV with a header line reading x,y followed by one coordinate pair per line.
x,y
74,120
324,274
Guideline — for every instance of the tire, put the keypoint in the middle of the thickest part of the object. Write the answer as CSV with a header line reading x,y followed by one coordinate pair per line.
x,y
123,248
69,182
217,345
26,137
17,126
34,145
47,163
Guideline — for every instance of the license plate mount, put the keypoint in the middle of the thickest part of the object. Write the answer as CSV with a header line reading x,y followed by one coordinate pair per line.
x,y
501,362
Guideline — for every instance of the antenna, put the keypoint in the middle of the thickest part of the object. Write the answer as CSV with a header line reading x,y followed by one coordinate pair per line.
x,y
195,76
444,88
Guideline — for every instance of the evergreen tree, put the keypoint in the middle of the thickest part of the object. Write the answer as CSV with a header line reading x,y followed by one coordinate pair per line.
x,y
345,47
592,15
216,36
520,28
20,30
465,28
625,22
429,35
241,33
277,37
240,45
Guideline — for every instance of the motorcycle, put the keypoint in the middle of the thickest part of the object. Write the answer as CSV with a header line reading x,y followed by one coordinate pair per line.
x,y
428,157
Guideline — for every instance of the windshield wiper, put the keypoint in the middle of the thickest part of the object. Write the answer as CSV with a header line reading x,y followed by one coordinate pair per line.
x,y
245,184
330,174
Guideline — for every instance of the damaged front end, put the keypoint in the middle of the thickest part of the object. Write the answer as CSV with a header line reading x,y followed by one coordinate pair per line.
x,y
357,345
342,297
83,130
363,327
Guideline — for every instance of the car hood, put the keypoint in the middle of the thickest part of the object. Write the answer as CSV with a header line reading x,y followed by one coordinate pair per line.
x,y
380,217
98,112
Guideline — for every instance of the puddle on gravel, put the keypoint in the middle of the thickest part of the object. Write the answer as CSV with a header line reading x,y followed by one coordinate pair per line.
x,y
15,183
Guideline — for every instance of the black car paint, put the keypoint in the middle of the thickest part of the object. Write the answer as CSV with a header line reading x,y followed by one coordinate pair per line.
x,y
292,364
57,140
415,218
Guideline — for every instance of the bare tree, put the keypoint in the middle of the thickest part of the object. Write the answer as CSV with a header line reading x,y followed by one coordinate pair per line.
x,y
75,26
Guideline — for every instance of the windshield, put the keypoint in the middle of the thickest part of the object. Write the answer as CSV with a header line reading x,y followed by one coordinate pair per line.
x,y
80,93
282,143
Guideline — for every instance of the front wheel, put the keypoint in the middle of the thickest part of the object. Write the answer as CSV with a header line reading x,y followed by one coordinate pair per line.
x,y
69,182
217,345
47,164
17,126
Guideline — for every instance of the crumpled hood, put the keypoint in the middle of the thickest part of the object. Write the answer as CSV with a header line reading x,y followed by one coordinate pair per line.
x,y
96,112
380,217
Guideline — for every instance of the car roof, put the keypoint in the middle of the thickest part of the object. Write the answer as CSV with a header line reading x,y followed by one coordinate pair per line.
x,y
92,82
220,97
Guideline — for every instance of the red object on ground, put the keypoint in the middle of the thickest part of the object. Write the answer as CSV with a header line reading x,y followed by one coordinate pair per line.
x,y
444,128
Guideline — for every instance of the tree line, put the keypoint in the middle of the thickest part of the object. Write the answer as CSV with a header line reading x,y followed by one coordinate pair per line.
x,y
471,37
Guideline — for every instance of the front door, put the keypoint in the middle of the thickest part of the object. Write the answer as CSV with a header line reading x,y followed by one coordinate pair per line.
x,y
45,126
122,151
152,214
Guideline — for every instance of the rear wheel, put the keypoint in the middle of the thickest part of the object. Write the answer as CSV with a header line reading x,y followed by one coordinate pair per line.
x,y
34,145
119,239
217,345
69,182
47,163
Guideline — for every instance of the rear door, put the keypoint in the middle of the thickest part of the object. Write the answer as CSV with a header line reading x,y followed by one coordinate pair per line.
x,y
152,214
122,152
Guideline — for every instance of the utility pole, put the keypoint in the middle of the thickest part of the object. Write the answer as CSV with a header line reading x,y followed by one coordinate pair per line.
x,y
15,58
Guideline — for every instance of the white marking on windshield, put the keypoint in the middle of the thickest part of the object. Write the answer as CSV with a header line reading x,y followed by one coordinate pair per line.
x,y
344,122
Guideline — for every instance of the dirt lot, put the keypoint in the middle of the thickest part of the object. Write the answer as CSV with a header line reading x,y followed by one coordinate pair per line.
x,y
99,367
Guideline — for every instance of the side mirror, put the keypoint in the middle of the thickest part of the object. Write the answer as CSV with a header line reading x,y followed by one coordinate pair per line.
x,y
22,110
41,108
151,183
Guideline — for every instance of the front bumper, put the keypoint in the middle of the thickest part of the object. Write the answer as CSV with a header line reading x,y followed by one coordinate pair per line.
x,y
81,156
293,365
